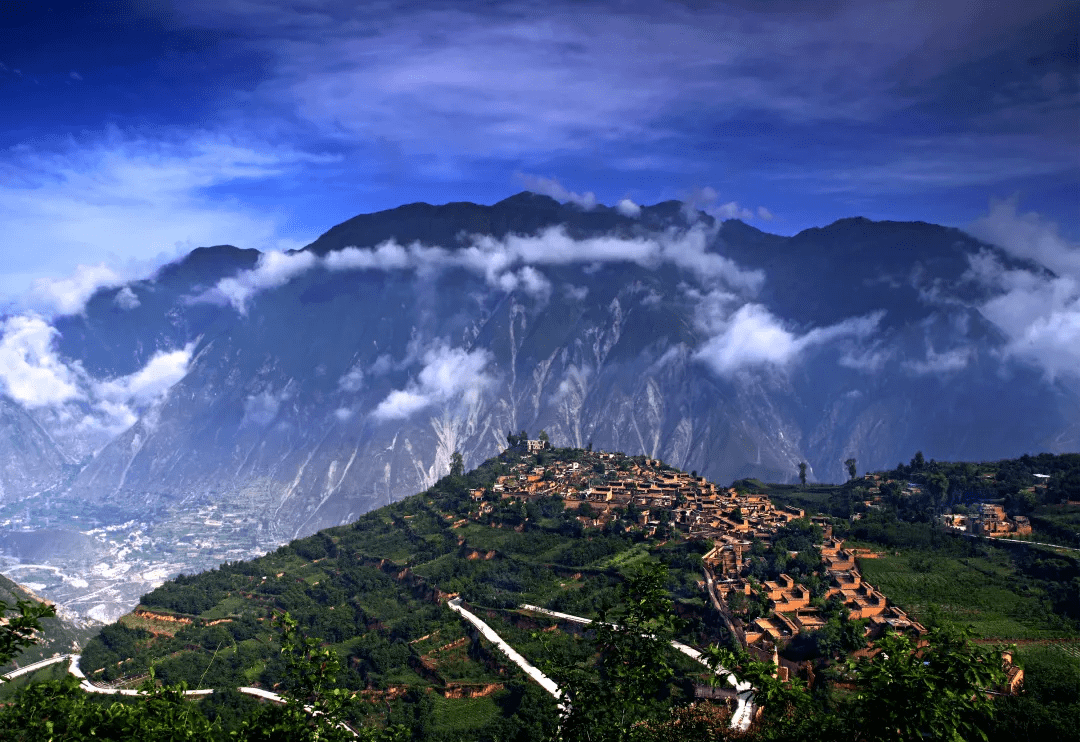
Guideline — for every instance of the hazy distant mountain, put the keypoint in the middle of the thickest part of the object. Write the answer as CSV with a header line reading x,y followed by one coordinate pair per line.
x,y
30,461
323,383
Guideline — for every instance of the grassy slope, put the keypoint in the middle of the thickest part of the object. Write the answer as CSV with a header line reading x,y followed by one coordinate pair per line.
x,y
986,592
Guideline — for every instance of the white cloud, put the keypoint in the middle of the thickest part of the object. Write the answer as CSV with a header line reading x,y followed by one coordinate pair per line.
x,y
73,403
511,263
31,372
117,403
552,187
1038,313
400,404
752,336
577,293
343,414
383,365
870,360
686,249
273,269
529,280
69,295
386,256
626,207
579,80
126,299
448,374
698,199
353,379
938,363
147,384
1027,236
732,210
261,409
704,199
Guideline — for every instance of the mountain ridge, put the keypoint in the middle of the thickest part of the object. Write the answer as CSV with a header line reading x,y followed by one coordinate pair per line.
x,y
309,387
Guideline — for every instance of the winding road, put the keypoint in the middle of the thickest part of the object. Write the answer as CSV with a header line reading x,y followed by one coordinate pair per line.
x,y
87,686
744,708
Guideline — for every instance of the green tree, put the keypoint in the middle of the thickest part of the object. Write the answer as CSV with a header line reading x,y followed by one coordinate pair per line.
x,y
937,484
802,472
627,680
787,710
935,692
851,468
457,465
21,631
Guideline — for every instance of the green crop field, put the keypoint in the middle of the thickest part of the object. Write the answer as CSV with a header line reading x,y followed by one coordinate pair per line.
x,y
464,714
984,592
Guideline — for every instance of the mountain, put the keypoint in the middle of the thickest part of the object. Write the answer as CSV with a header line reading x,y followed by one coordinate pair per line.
x,y
248,399
30,460
63,634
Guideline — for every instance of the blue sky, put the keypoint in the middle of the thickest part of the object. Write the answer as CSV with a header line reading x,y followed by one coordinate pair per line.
x,y
132,132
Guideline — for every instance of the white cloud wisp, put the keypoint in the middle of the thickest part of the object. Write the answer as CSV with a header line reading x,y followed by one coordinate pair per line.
x,y
510,264
449,374
752,336
31,372
71,401
1038,313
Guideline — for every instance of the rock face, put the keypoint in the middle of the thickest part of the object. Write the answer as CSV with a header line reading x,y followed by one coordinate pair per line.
x,y
30,460
327,382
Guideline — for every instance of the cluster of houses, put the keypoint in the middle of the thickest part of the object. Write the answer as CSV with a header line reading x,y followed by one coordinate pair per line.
x,y
605,486
790,606
600,487
991,520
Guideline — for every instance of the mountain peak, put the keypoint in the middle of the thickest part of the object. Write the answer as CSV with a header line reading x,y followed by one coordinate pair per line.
x,y
209,264
529,199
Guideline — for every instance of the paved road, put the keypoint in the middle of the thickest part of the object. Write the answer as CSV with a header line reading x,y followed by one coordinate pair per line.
x,y
36,666
1002,540
86,685
545,682
744,708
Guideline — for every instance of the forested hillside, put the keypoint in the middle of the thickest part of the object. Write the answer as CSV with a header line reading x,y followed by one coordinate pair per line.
x,y
374,593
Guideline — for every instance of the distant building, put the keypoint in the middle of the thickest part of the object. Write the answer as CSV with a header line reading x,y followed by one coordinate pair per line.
x,y
955,521
532,446
993,522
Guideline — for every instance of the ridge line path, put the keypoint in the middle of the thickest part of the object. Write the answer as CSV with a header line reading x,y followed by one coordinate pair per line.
x,y
744,708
